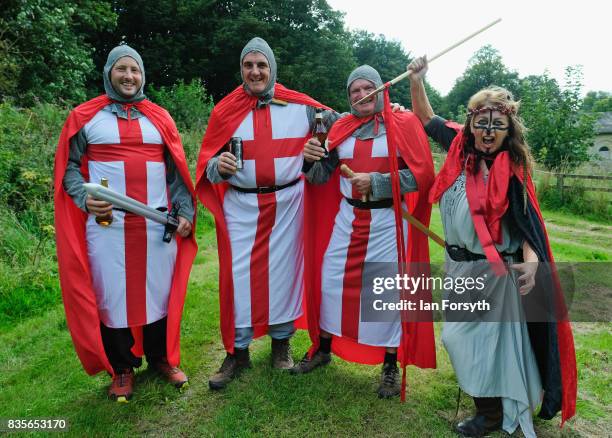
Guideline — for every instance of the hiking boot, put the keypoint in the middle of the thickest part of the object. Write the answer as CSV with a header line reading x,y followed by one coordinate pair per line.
x,y
389,381
489,418
173,375
281,354
231,367
122,386
306,365
476,426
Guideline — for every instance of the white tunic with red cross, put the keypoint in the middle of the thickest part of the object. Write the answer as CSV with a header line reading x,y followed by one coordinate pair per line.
x,y
265,230
130,264
358,236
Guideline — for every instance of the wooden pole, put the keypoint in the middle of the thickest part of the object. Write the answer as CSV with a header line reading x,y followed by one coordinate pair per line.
x,y
411,219
433,58
348,172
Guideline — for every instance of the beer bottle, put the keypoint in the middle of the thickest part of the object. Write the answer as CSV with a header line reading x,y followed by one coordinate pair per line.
x,y
104,221
320,131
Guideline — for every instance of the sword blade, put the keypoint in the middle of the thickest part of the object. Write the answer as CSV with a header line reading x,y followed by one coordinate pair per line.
x,y
128,204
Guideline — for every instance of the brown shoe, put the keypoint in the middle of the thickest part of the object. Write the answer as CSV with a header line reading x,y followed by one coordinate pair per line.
x,y
173,375
281,354
389,381
231,367
306,365
122,386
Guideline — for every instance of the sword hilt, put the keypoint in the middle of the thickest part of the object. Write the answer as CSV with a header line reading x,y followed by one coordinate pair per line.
x,y
172,224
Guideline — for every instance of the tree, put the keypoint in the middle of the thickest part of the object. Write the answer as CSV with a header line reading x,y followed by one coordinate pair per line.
x,y
387,57
558,132
9,69
44,45
202,39
597,102
485,68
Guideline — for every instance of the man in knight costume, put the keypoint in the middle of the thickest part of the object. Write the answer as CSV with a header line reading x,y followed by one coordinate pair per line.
x,y
123,287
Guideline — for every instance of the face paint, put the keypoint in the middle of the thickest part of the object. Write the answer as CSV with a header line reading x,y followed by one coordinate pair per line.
x,y
489,123
490,128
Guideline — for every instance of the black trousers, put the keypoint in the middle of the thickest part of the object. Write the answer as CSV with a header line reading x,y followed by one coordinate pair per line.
x,y
118,343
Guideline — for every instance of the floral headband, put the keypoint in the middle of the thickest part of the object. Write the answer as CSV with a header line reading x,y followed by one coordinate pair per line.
x,y
499,107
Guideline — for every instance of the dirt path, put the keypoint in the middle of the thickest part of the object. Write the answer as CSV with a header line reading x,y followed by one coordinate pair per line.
x,y
582,227
579,244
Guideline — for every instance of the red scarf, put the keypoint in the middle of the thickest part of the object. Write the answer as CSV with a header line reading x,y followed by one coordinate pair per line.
x,y
488,202
75,274
225,119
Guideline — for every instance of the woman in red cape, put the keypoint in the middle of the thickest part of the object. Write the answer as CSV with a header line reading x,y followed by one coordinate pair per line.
x,y
490,215
390,155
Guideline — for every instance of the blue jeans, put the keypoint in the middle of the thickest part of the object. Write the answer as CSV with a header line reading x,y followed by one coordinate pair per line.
x,y
244,335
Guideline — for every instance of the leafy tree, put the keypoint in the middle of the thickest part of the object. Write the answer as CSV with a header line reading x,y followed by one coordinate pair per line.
x,y
387,57
9,69
203,39
44,45
188,104
485,68
559,133
597,102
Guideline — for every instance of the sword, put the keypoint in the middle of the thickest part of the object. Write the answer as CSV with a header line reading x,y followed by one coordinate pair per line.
x,y
131,205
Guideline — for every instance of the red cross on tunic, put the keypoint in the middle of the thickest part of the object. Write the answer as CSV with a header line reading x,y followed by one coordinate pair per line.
x,y
362,161
134,154
264,149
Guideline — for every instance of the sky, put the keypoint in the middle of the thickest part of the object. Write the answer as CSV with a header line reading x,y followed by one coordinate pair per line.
x,y
533,37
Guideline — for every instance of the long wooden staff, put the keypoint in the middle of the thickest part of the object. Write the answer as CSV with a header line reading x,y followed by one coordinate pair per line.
x,y
406,73
410,218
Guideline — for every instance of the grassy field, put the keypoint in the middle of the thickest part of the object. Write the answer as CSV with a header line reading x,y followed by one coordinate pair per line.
x,y
40,375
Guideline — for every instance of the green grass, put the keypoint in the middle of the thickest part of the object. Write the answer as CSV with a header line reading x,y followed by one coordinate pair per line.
x,y
41,377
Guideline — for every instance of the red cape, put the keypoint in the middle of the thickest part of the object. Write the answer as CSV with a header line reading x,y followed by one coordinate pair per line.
x,y
224,120
497,204
74,270
322,204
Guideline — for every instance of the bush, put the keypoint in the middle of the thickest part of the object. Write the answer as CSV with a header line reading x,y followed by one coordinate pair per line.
x,y
190,107
28,271
576,199
189,104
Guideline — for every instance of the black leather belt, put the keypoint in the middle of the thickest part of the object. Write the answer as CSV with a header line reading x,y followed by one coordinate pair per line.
x,y
269,189
370,205
460,254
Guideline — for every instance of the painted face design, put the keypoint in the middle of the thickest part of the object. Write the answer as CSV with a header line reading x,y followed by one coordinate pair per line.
x,y
490,129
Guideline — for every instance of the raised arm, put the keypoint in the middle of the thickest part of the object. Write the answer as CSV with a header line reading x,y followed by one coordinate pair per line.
x,y
420,103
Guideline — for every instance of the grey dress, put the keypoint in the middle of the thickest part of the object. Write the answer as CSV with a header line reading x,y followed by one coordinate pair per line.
x,y
490,359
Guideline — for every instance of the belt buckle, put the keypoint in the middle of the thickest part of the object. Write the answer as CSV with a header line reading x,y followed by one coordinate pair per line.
x,y
455,253
262,190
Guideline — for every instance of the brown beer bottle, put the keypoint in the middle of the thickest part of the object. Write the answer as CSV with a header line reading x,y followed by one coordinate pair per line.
x,y
104,221
320,131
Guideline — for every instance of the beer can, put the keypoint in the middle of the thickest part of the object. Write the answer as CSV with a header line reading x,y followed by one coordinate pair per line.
x,y
236,150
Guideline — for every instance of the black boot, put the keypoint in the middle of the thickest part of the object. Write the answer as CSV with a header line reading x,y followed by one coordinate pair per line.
x,y
488,418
